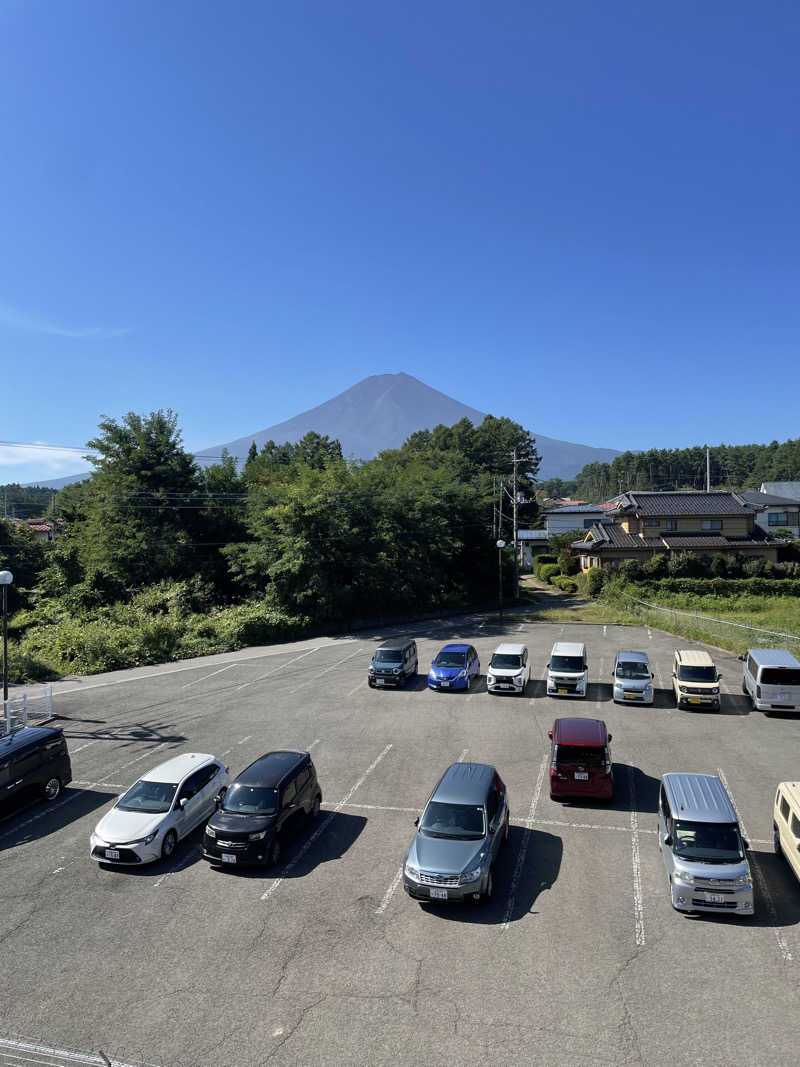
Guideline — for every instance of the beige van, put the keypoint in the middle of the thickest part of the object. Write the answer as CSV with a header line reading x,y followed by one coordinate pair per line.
x,y
786,824
695,679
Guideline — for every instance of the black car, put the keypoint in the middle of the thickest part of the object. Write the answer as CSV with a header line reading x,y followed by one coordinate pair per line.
x,y
393,663
266,804
34,759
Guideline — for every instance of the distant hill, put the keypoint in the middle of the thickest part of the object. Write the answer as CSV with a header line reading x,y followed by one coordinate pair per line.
x,y
380,412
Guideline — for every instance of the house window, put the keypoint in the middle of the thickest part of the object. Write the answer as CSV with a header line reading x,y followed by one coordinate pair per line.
x,y
652,522
670,525
711,524
778,518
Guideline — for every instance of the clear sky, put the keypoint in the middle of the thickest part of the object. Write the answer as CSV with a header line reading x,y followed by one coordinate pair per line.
x,y
581,215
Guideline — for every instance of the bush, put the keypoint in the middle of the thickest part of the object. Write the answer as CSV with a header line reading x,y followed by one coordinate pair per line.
x,y
545,560
632,569
595,580
686,565
656,566
548,571
569,585
719,566
571,566
724,587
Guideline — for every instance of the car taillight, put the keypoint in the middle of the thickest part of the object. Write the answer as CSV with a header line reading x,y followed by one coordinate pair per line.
x,y
758,692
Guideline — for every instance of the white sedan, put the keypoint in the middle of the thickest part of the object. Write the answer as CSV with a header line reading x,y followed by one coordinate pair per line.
x,y
165,805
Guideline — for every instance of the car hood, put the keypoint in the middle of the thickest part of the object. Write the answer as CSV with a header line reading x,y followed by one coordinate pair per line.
x,y
443,855
505,672
446,672
117,826
242,824
707,871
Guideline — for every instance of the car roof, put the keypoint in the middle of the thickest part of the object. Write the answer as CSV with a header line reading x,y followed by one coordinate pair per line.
x,y
632,657
176,769
269,770
464,783
690,657
455,647
773,657
27,735
698,798
509,650
568,648
396,644
576,731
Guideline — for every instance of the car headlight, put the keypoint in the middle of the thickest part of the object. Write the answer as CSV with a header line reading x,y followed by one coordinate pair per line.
x,y
371,669
211,831
462,674
145,840
490,679
742,880
682,689
683,876
715,691
411,870
257,837
648,688
470,876
396,670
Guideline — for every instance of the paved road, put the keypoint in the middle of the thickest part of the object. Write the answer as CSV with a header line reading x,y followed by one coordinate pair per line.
x,y
579,959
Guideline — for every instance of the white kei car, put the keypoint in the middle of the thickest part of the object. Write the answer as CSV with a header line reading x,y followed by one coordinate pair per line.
x,y
166,804
509,670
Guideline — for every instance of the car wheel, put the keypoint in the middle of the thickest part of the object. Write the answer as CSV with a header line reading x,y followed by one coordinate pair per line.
x,y
168,844
744,686
776,842
315,806
273,859
52,788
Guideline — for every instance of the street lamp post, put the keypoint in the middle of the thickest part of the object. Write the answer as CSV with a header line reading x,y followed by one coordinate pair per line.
x,y
500,546
6,578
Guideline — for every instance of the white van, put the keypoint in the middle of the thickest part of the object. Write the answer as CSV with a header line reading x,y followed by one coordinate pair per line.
x,y
786,824
771,678
568,670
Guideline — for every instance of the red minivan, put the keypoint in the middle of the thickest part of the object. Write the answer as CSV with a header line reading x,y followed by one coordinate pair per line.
x,y
580,764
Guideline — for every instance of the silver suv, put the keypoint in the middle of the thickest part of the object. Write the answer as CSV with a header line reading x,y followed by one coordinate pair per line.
x,y
459,836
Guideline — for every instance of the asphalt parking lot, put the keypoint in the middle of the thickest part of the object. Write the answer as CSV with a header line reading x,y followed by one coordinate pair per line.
x,y
578,958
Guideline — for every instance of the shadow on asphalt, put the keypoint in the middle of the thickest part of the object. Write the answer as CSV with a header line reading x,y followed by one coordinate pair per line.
x,y
646,793
71,805
539,872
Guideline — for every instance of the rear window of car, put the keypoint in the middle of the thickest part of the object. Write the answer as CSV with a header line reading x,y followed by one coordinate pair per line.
x,y
780,676
585,754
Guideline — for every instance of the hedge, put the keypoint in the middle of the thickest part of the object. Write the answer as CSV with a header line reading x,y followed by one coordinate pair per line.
x,y
569,585
726,586
548,571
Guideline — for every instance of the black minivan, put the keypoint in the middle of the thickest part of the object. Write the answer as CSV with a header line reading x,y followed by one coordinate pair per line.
x,y
267,803
34,759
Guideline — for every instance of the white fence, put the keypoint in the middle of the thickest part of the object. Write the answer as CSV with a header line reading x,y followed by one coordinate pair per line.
x,y
26,709
751,636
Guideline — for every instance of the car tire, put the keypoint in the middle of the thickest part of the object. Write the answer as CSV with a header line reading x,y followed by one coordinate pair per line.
x,y
274,856
51,789
168,844
316,806
744,686
776,842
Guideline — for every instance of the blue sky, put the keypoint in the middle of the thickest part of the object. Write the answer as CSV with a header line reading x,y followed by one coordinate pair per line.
x,y
583,216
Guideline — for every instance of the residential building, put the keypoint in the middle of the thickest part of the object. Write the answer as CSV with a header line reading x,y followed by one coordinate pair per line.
x,y
774,512
646,523
531,543
574,517
785,489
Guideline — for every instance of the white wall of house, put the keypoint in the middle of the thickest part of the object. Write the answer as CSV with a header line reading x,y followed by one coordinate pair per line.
x,y
776,517
574,520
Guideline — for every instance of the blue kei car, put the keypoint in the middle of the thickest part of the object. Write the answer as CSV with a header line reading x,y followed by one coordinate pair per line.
x,y
455,667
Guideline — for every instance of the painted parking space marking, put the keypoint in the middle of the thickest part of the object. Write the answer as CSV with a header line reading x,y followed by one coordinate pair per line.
x,y
763,887
384,807
325,823
523,852
30,1051
275,670
387,896
354,691
582,825
638,906
326,670
205,677
244,740
80,748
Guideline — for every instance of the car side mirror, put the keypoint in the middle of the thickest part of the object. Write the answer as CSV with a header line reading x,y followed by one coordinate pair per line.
x,y
182,802
610,737
550,734
674,675
719,675
652,675
217,800
667,839
548,666
745,844
416,821
742,657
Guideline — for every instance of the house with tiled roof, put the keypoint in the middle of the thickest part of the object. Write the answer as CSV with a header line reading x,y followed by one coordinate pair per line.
x,y
703,524
573,517
774,512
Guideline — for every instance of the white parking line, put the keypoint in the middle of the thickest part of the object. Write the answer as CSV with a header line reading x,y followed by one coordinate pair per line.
x,y
783,947
75,751
325,823
387,896
384,807
91,1059
520,864
319,674
583,825
244,740
205,677
461,757
191,855
276,669
354,691
638,907
315,742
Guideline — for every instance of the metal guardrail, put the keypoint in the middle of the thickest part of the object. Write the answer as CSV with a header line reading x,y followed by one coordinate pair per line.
x,y
26,709
754,636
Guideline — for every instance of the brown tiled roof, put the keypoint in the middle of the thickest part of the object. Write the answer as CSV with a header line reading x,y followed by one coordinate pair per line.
x,y
608,536
686,503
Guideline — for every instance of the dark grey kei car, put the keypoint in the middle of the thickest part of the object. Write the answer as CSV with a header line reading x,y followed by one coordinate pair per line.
x,y
459,836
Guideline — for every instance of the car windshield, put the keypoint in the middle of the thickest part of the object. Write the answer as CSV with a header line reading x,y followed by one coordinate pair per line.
x,y
584,754
388,655
697,674
708,842
502,660
566,663
632,670
453,820
780,676
250,800
450,659
153,797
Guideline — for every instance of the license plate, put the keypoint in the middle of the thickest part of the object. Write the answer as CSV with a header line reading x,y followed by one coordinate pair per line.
x,y
631,696
379,681
784,698
562,692
112,853
715,898
444,685
438,894
227,858
581,776
693,700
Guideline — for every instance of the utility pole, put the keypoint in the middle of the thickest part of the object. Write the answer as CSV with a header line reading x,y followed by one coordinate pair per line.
x,y
708,469
516,558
